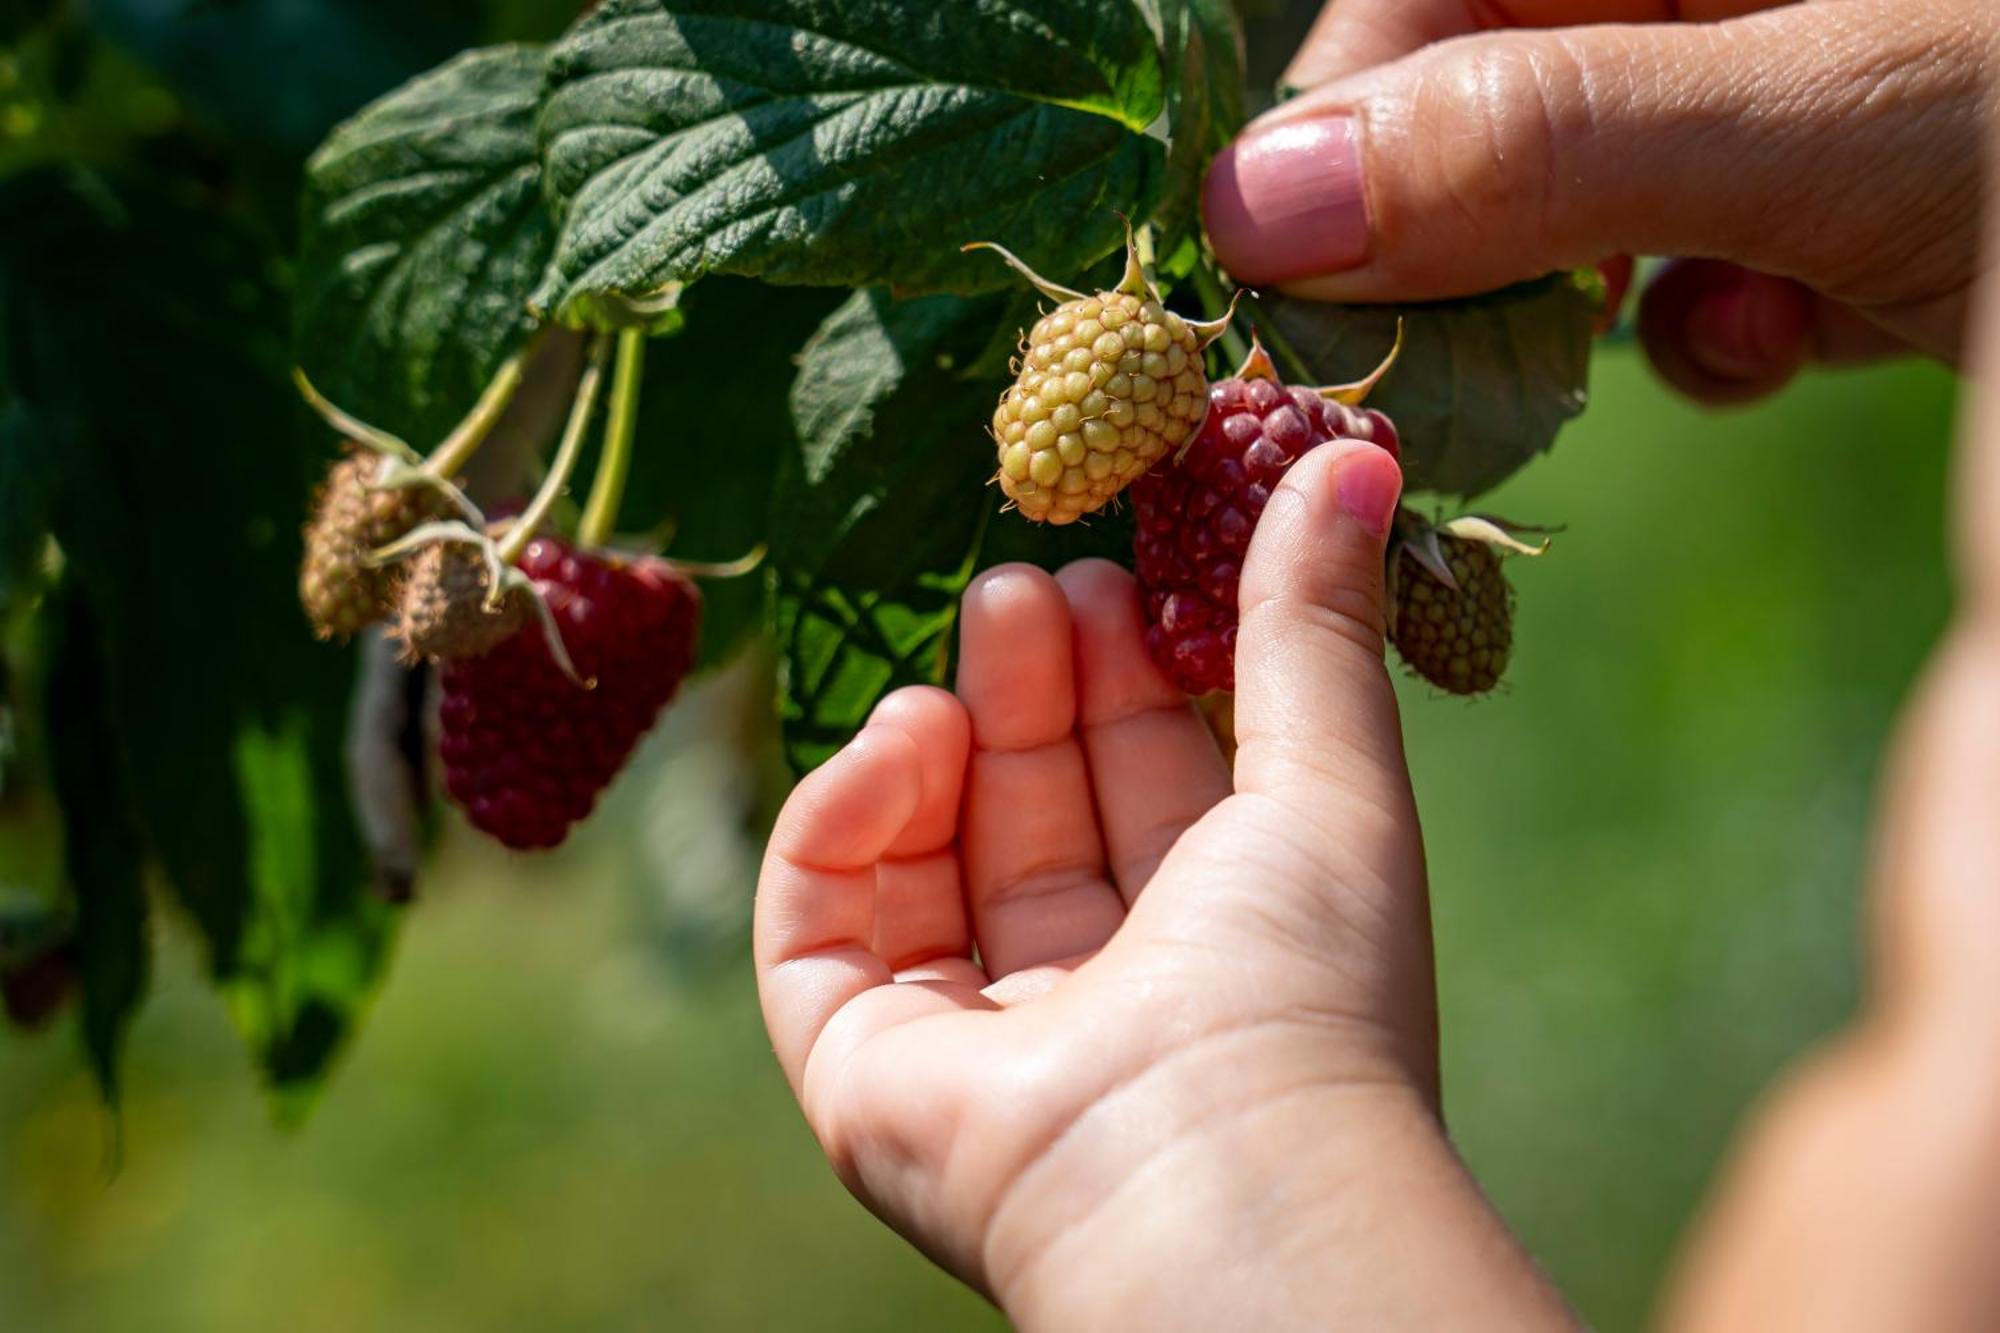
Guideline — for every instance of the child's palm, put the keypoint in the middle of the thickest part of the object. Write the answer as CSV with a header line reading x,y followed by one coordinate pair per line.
x,y
959,970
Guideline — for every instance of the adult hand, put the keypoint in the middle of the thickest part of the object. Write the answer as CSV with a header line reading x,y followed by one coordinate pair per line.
x,y
1865,1196
1118,1041
1818,164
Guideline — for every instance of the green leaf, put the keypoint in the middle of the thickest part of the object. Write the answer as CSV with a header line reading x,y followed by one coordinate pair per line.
x,y
145,321
102,851
890,436
314,947
843,649
1203,41
713,427
885,508
1483,385
880,509
424,232
845,142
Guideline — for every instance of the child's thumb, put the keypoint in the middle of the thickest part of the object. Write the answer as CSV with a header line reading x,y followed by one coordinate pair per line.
x,y
1314,706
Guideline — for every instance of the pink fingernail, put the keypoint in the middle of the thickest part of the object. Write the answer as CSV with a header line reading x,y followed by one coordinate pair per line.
x,y
1369,486
1287,201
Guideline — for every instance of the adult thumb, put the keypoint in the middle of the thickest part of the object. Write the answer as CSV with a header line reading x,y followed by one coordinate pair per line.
x,y
1811,142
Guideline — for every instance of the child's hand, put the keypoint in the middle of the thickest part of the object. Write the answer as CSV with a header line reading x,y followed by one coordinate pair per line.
x,y
1063,1006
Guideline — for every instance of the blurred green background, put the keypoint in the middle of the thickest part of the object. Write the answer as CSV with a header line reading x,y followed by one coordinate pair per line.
x,y
562,1114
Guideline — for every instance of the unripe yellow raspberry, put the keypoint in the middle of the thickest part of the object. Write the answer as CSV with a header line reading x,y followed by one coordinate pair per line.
x,y
1107,386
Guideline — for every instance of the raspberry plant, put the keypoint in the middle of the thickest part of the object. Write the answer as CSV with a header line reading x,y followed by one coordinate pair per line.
x,y
703,266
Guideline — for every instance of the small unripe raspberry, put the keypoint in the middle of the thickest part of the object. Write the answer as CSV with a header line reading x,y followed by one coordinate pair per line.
x,y
1458,639
441,610
1107,386
1194,517
341,590
526,748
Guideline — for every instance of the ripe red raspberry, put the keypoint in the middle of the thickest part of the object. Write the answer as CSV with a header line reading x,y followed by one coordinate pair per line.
x,y
526,749
1195,517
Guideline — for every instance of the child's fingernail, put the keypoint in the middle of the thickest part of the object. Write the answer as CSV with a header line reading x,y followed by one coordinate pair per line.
x,y
1286,201
1369,485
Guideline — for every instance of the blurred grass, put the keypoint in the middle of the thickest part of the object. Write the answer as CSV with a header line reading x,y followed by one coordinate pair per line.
x,y
1646,858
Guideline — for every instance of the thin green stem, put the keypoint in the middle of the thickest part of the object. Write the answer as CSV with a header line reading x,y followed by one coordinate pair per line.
x,y
746,563
600,514
523,530
351,426
451,456
1216,303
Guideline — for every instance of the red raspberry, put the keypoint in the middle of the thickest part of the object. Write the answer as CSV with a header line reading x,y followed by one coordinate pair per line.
x,y
526,749
1195,517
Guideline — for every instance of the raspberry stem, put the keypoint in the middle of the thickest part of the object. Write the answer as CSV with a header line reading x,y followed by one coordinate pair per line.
x,y
746,563
458,447
524,528
381,441
600,514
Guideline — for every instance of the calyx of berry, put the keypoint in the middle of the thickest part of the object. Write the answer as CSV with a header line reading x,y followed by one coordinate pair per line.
x,y
1133,283
1421,539
1258,365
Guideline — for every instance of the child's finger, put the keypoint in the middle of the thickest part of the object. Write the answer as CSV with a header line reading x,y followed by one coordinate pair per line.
x,y
1154,766
815,918
919,898
1034,863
